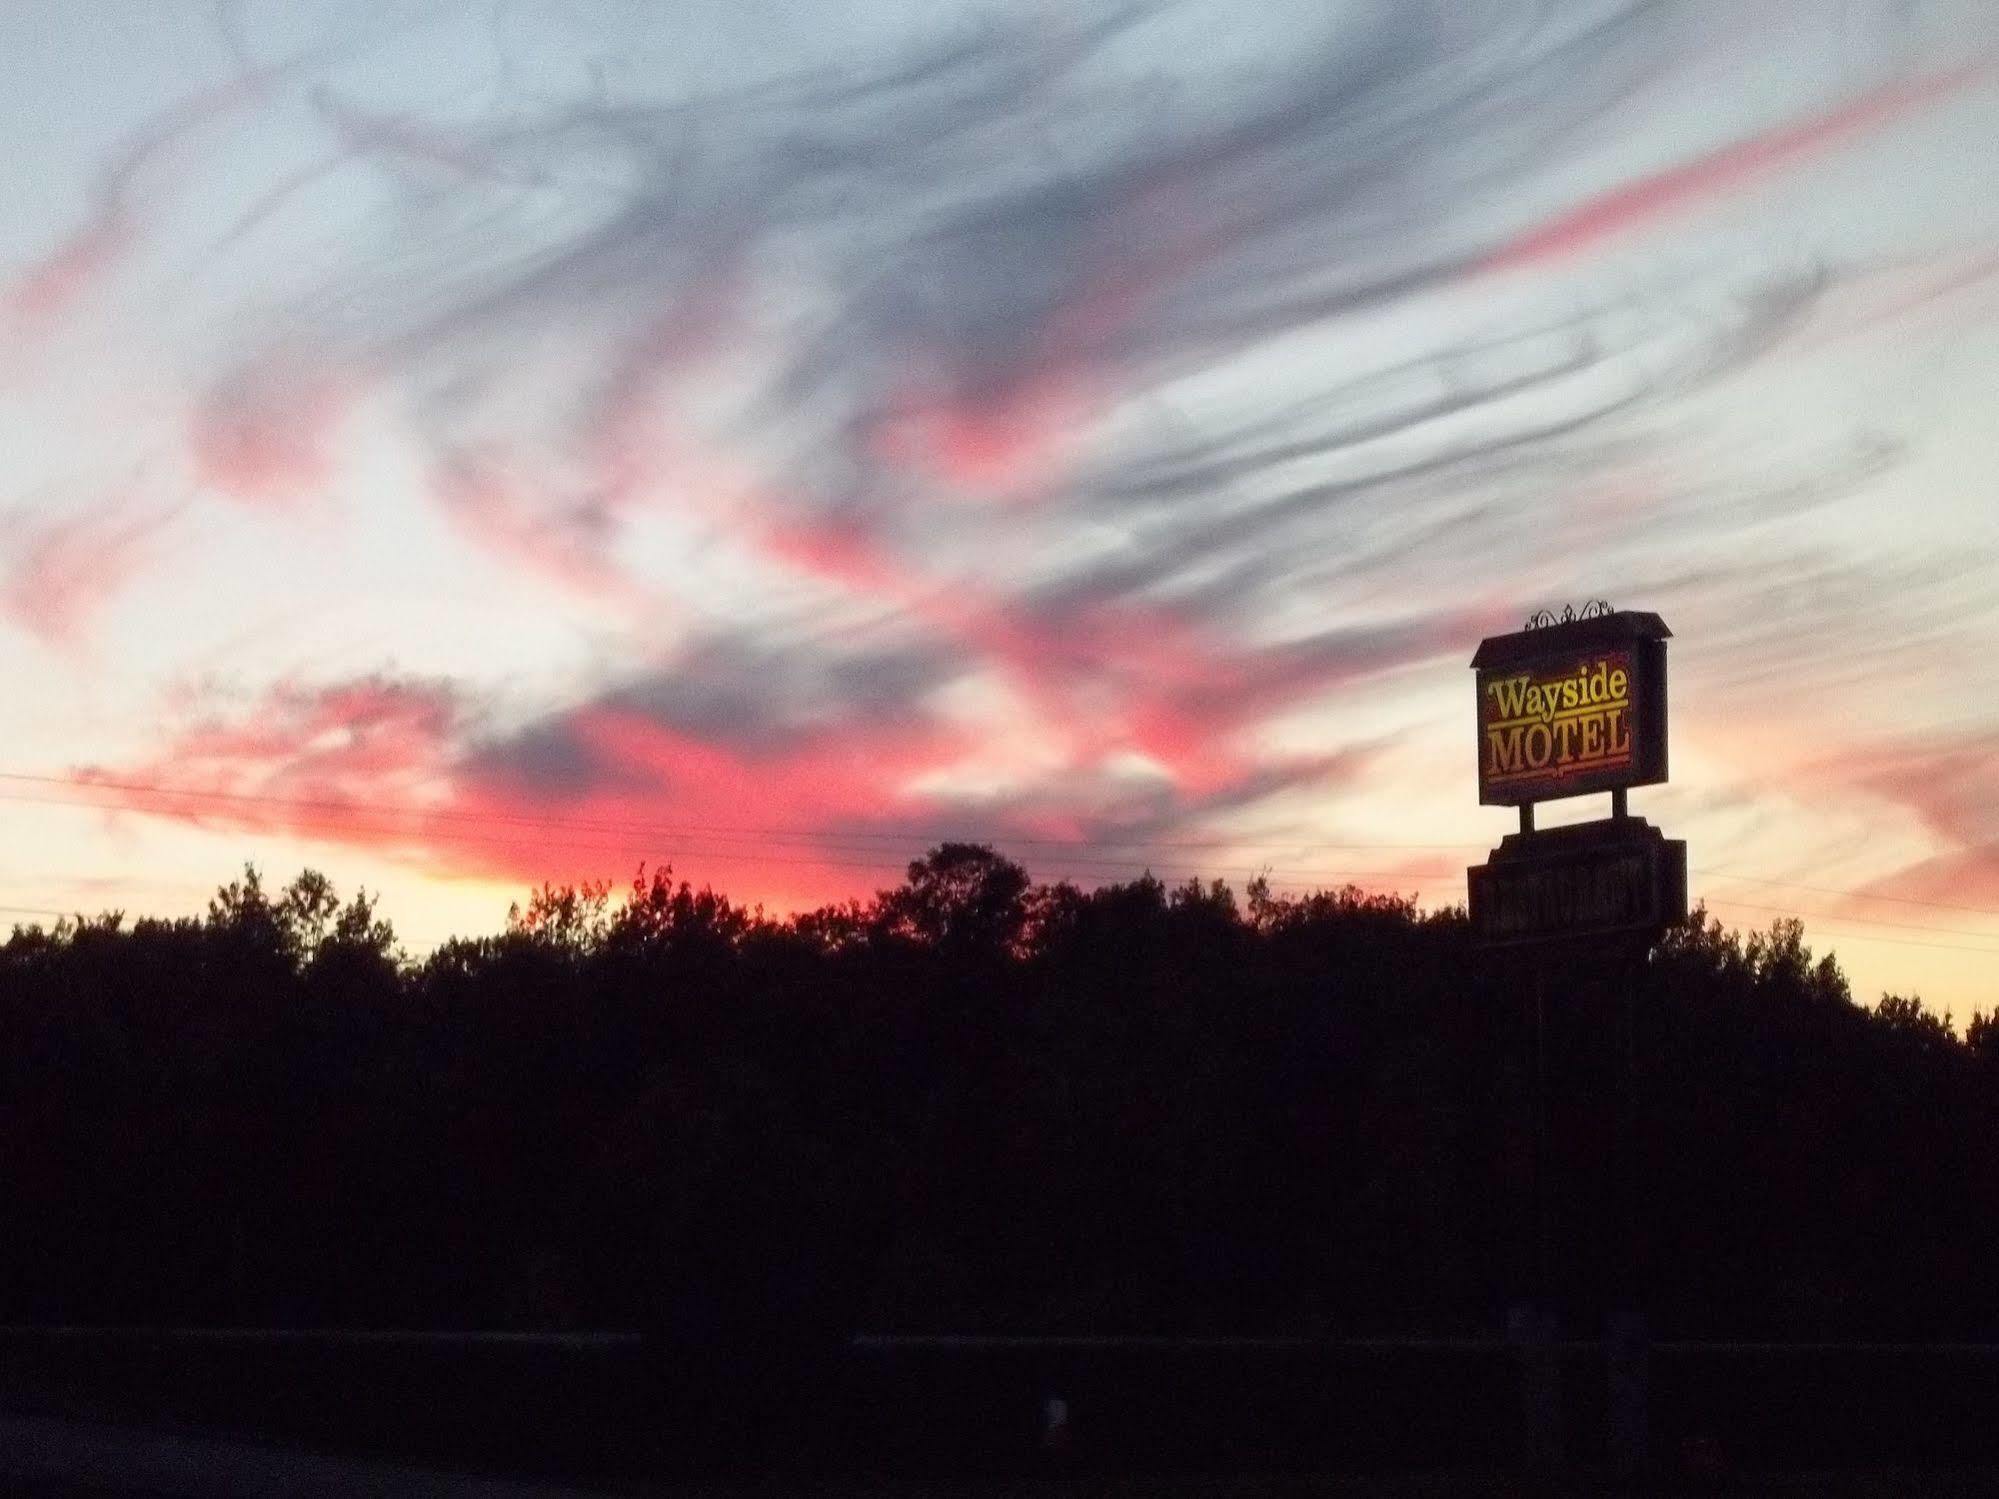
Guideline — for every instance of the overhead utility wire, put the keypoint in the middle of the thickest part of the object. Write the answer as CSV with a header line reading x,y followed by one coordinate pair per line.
x,y
1836,934
687,835
1900,900
723,832
912,835
641,838
390,832
852,836
1902,926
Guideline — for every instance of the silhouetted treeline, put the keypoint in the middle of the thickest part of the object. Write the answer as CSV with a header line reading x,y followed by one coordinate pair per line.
x,y
972,1104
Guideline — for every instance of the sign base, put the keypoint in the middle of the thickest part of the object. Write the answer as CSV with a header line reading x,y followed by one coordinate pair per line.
x,y
1620,876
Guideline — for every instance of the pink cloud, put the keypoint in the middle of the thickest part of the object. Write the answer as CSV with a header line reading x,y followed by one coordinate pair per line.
x,y
357,763
659,793
1692,185
1007,428
1946,287
267,433
1966,878
63,571
1951,785
1006,440
388,766
54,285
569,545
353,741
1121,676
398,768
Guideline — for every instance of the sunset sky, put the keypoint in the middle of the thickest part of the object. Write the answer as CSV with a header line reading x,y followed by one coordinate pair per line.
x,y
460,445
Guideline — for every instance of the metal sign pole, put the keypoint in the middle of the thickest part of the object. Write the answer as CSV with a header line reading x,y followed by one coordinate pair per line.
x,y
1627,1343
1544,1290
1541,1370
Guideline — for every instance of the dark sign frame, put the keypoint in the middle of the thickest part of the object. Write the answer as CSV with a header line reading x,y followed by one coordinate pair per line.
x,y
1583,652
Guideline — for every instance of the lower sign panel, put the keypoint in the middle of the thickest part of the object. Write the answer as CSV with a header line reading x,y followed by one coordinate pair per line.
x,y
1590,880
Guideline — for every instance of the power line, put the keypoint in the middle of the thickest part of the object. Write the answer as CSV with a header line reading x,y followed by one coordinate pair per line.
x,y
680,829
1840,935
391,823
1901,900
697,840
688,850
853,840
1905,926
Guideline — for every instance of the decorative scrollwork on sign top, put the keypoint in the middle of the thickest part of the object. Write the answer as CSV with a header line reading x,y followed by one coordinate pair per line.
x,y
1541,619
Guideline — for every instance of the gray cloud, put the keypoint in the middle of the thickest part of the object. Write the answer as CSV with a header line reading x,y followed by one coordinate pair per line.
x,y
988,223
975,207
548,760
762,698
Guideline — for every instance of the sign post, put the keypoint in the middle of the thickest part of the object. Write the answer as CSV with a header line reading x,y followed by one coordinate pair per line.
x,y
1570,706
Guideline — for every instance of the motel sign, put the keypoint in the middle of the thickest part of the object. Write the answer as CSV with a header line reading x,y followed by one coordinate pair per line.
x,y
1572,707
1567,707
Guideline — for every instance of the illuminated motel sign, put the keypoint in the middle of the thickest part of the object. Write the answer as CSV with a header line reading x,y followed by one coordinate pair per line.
x,y
1572,708
1567,707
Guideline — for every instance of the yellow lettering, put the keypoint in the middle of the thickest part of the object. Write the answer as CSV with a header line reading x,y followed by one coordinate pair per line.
x,y
1575,722
1511,695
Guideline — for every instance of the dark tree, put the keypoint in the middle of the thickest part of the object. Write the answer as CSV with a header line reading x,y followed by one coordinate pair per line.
x,y
972,1103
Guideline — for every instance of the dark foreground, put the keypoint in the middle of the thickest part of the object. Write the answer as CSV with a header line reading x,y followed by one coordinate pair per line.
x,y
45,1459
962,1417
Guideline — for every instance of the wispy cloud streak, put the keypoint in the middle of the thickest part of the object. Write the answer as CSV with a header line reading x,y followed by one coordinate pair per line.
x,y
62,569
1649,200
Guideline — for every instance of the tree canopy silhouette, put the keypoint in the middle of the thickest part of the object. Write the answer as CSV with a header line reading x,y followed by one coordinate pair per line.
x,y
970,1103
